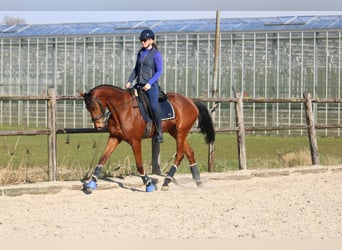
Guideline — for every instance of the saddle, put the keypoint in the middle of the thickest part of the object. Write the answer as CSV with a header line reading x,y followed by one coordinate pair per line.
x,y
141,101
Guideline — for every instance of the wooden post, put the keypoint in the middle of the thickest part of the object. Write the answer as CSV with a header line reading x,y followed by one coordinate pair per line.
x,y
241,131
155,157
211,157
211,147
311,129
52,138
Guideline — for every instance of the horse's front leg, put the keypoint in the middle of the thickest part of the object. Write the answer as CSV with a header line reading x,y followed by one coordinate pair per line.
x,y
112,143
148,182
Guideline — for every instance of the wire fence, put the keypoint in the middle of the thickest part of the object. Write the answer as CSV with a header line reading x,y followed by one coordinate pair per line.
x,y
268,64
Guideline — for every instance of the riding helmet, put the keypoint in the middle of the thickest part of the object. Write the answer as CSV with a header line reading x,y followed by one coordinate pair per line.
x,y
146,34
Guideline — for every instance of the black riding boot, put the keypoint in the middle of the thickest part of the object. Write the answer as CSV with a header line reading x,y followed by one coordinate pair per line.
x,y
159,130
159,134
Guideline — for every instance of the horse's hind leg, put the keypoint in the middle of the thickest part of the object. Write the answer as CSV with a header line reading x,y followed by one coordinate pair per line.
x,y
183,147
189,152
196,174
179,157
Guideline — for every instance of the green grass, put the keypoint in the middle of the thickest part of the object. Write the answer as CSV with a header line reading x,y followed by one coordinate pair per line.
x,y
25,158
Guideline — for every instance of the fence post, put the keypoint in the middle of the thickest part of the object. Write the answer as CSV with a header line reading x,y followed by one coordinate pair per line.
x,y
311,129
241,131
211,157
52,138
211,147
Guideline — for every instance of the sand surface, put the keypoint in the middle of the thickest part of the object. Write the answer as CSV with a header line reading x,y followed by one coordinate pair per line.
x,y
306,206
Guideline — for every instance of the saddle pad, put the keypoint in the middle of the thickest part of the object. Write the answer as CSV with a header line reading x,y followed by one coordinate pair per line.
x,y
166,109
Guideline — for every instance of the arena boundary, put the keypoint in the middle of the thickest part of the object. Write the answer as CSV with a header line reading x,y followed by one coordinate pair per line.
x,y
51,131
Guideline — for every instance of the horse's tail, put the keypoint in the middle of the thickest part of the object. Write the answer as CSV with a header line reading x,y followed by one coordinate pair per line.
x,y
205,123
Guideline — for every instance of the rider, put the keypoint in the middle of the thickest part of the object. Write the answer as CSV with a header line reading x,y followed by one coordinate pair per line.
x,y
148,68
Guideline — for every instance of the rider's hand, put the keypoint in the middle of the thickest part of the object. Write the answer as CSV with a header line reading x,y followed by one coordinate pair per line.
x,y
128,85
147,86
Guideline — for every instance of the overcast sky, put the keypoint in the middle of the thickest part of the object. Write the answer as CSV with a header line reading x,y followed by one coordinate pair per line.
x,y
70,11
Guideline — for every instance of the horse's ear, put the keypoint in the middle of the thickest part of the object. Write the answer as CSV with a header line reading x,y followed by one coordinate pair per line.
x,y
86,97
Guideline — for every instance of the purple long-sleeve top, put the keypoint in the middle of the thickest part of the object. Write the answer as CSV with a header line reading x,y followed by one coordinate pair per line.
x,y
148,67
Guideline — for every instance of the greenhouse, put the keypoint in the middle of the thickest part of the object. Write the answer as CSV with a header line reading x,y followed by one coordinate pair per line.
x,y
270,57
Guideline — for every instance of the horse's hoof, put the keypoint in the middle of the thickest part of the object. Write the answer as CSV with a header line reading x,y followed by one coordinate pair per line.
x,y
151,187
87,190
166,183
199,184
154,181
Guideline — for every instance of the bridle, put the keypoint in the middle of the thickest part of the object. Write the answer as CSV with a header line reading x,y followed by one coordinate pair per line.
x,y
105,115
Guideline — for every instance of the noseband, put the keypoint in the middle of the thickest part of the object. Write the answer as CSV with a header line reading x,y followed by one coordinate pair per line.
x,y
107,114
104,115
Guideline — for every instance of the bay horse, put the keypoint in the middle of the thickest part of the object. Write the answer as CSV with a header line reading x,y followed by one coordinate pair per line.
x,y
113,107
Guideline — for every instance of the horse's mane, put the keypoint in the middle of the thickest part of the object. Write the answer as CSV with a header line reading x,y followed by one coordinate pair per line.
x,y
107,85
87,96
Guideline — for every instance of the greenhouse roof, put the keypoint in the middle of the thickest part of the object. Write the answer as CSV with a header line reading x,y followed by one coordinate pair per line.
x,y
284,23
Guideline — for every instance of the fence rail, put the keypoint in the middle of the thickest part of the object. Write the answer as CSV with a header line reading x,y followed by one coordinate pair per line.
x,y
51,131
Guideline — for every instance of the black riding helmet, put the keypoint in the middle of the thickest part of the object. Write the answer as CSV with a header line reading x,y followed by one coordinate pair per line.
x,y
146,34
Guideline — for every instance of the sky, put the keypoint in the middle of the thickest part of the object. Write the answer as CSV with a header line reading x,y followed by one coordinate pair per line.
x,y
76,11
174,5
48,17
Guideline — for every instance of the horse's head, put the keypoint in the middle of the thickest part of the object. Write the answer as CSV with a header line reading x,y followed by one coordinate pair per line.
x,y
96,106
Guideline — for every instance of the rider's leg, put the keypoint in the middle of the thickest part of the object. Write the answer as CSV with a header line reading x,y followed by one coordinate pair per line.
x,y
153,94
